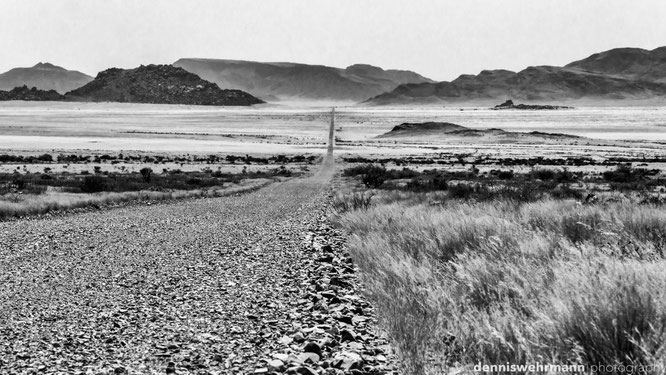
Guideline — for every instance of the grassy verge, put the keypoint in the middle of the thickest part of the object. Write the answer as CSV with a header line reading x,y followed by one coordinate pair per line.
x,y
35,204
493,278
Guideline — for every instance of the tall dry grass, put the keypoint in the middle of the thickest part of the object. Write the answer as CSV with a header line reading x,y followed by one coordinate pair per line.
x,y
554,282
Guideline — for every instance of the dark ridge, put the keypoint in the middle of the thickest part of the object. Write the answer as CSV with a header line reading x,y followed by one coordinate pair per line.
x,y
532,107
158,84
30,94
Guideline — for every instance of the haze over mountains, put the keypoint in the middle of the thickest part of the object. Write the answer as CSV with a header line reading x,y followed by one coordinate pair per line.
x,y
630,75
623,76
44,76
292,81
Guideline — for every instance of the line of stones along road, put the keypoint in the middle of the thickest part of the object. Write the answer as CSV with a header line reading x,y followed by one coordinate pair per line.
x,y
334,328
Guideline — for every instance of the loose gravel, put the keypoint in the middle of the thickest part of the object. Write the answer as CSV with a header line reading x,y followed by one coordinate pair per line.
x,y
255,283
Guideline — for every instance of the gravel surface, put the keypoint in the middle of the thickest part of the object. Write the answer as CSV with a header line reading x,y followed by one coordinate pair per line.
x,y
255,283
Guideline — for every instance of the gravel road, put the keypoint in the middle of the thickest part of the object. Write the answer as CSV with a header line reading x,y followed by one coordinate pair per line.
x,y
255,283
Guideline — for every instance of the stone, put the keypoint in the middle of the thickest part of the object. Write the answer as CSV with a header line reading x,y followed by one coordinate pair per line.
x,y
281,356
311,347
298,337
276,365
304,370
326,259
347,361
308,358
347,335
285,340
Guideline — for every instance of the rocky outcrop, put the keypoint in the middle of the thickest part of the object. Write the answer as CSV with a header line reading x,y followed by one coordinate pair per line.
x,y
44,76
30,94
530,107
159,84
412,129
292,81
428,131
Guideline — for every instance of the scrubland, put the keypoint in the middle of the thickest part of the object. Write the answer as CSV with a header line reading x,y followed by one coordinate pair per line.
x,y
467,270
98,182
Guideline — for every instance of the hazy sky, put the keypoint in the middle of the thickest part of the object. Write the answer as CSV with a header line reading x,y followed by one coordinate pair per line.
x,y
437,38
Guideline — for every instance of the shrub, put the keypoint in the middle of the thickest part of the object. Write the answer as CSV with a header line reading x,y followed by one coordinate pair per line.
x,y
543,174
351,202
428,184
374,176
45,157
461,191
146,173
93,184
625,174
194,181
505,175
564,176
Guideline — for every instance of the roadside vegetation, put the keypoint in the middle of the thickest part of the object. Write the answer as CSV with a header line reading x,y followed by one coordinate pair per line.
x,y
548,266
27,193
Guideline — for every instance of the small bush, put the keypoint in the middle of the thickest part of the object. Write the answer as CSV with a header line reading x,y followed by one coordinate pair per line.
x,y
436,183
93,184
543,174
505,175
146,173
374,176
462,191
351,202
625,174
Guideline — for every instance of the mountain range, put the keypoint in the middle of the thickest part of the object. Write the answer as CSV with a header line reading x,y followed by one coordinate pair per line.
x,y
623,74
44,76
291,81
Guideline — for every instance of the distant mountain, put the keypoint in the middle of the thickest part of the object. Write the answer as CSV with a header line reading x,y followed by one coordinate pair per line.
x,y
628,63
44,76
616,75
291,81
30,94
163,84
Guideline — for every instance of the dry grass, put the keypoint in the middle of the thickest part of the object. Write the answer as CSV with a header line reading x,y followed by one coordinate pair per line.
x,y
461,283
24,205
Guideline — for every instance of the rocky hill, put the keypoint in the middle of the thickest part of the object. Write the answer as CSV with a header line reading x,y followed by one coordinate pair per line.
x,y
160,84
291,81
30,94
428,132
409,129
610,77
44,76
528,107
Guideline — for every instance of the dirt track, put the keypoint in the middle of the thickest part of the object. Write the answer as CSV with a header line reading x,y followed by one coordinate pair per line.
x,y
226,285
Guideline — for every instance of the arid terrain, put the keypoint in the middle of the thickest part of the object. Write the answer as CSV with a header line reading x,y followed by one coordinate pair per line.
x,y
139,238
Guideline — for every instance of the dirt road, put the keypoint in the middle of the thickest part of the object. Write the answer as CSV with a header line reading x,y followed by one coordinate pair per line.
x,y
226,285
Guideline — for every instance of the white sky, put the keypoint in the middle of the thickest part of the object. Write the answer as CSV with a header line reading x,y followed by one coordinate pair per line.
x,y
440,39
